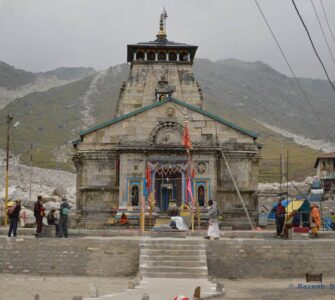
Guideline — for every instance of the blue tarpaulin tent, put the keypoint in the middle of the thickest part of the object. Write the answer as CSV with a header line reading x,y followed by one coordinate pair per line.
x,y
301,206
284,203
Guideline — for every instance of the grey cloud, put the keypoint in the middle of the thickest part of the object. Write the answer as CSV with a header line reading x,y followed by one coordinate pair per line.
x,y
39,35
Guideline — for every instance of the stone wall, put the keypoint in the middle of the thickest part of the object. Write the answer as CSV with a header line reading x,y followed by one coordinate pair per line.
x,y
229,258
269,258
78,256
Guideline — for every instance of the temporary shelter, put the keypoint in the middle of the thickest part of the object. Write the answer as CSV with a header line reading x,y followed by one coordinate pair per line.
x,y
302,206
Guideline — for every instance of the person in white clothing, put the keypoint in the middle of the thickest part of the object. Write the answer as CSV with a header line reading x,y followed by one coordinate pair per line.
x,y
180,224
213,228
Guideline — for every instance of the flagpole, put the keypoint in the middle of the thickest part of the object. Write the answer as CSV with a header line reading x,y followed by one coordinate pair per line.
x,y
142,215
189,178
188,145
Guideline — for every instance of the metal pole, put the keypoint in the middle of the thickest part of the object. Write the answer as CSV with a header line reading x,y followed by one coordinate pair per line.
x,y
287,162
280,173
237,190
31,169
282,162
9,121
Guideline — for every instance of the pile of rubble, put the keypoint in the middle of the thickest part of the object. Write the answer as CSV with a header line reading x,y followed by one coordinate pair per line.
x,y
26,183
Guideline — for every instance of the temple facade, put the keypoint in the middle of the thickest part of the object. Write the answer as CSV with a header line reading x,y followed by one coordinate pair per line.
x,y
140,150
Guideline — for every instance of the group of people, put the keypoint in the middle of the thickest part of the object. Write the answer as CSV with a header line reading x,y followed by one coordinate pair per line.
x,y
284,221
57,217
180,223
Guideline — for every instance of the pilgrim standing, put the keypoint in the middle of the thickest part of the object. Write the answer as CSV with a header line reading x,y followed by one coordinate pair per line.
x,y
14,215
213,228
39,213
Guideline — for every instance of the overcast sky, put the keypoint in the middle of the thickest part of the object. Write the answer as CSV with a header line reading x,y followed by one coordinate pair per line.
x,y
40,35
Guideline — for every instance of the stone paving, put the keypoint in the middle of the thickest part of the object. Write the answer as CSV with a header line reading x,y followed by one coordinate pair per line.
x,y
163,289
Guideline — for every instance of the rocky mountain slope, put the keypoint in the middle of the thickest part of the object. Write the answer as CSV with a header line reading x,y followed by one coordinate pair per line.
x,y
50,119
265,95
16,83
251,94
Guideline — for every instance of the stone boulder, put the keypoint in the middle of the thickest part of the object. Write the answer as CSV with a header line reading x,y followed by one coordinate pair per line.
x,y
51,204
59,191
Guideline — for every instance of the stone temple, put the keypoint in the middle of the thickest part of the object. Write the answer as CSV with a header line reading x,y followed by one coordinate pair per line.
x,y
113,159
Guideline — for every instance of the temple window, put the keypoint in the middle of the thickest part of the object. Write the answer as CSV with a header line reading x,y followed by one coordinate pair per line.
x,y
151,55
172,56
201,195
161,97
140,55
134,195
161,55
183,56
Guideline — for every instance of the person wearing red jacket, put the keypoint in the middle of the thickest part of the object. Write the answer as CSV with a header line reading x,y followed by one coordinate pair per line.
x,y
39,213
280,217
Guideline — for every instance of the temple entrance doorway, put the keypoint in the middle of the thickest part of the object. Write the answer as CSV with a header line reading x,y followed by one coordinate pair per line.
x,y
168,186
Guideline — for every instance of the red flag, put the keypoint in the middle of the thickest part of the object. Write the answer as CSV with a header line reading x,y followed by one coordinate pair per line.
x,y
148,178
186,137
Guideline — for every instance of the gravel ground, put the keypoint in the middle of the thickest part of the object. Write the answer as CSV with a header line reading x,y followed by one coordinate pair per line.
x,y
25,287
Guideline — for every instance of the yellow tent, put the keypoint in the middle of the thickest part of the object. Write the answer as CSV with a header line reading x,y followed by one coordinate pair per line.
x,y
299,205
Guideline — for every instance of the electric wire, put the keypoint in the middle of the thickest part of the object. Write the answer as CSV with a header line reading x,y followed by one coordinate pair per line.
x,y
324,12
292,72
323,33
312,43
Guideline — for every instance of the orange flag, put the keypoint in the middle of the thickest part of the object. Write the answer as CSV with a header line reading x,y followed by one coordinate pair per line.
x,y
186,137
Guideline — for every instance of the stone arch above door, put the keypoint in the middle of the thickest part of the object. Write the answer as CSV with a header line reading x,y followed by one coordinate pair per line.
x,y
167,133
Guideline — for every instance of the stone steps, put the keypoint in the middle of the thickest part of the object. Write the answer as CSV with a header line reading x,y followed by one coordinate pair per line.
x,y
173,258
174,247
174,264
170,241
172,269
174,275
158,252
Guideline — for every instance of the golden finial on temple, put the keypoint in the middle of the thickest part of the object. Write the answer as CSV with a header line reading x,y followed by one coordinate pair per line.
x,y
162,25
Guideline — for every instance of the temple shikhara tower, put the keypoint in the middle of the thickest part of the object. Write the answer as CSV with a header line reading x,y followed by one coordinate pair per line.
x,y
141,150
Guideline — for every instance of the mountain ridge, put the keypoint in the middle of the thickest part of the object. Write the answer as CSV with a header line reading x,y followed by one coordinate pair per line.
x,y
16,83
